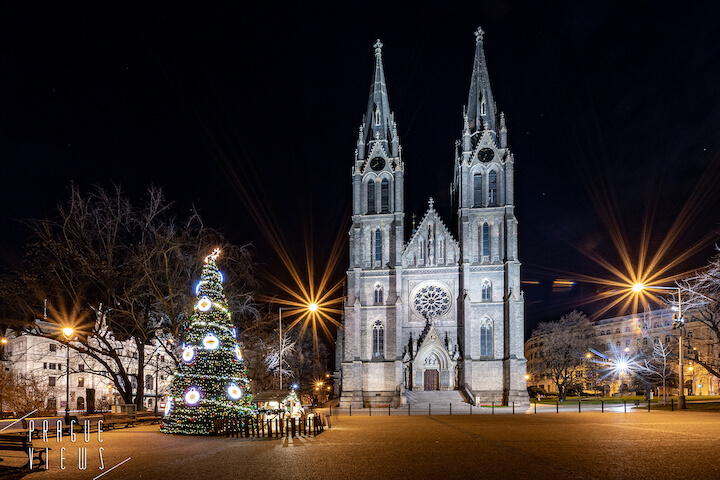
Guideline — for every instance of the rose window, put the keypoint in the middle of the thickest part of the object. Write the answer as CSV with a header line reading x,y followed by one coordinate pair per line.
x,y
432,301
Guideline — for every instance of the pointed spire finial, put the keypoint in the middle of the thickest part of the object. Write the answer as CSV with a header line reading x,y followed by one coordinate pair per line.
x,y
479,34
378,48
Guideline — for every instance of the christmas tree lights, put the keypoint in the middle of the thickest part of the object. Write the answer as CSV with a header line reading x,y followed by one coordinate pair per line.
x,y
211,380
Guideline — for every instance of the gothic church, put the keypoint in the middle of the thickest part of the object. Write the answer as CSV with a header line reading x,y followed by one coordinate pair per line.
x,y
438,313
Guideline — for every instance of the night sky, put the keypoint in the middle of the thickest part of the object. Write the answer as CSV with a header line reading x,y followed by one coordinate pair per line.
x,y
605,102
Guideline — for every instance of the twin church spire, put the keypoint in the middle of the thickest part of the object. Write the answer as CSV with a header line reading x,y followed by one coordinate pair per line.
x,y
378,122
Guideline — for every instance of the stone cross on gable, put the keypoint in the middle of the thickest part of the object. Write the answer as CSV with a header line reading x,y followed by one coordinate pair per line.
x,y
378,48
479,34
431,203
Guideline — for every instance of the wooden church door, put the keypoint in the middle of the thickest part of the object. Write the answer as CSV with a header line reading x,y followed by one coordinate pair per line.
x,y
432,380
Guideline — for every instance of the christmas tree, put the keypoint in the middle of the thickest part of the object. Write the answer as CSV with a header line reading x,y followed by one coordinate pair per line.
x,y
211,380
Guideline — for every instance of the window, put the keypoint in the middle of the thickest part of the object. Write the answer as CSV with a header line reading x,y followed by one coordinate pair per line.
x,y
441,248
377,115
51,381
371,196
482,107
645,341
617,330
385,195
627,343
52,403
45,365
378,246
486,291
378,294
667,338
492,188
477,190
81,368
421,249
486,239
486,338
602,332
148,382
52,366
53,347
617,344
81,382
378,340
690,334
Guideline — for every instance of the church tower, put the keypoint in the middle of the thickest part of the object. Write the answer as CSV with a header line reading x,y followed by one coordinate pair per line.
x,y
375,248
491,324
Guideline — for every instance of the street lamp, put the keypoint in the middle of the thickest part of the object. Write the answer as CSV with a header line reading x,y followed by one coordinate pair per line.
x,y
67,333
679,323
313,308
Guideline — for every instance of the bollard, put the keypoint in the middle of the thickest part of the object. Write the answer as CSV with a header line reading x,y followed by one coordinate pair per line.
x,y
672,404
471,409
351,410
602,406
430,409
536,407
388,409
579,411
370,415
493,407
408,409
625,405
330,415
557,406
450,408
513,408
648,405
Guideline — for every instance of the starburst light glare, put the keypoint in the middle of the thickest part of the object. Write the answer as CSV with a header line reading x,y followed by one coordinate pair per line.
x,y
313,307
638,287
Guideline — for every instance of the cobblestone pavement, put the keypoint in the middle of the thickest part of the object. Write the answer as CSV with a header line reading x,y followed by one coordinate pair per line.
x,y
657,445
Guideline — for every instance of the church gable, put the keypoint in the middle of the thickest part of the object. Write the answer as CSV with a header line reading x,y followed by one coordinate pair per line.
x,y
432,244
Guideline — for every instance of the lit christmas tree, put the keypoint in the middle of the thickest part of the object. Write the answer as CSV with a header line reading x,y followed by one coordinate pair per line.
x,y
211,380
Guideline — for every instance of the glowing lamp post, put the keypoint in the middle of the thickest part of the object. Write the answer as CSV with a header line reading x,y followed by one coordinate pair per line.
x,y
67,333
678,323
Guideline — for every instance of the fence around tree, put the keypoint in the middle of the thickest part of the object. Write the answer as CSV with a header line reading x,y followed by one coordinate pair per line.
x,y
269,426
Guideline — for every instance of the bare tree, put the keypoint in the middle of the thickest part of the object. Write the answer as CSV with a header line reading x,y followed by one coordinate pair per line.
x,y
118,272
564,345
701,302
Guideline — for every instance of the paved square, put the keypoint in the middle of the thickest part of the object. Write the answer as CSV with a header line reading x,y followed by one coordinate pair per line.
x,y
657,445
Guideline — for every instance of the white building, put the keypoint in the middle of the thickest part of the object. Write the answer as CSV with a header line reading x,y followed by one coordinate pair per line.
x,y
45,361
440,311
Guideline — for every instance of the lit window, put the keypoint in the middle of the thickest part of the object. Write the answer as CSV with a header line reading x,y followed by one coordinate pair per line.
x,y
81,382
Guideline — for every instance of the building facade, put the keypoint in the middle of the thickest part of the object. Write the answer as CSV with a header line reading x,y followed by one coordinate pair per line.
x,y
41,363
632,338
438,311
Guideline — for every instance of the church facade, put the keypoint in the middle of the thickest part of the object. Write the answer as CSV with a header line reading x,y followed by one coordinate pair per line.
x,y
440,311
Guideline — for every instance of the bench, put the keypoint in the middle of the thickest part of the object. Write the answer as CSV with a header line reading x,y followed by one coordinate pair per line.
x,y
93,419
147,416
113,419
19,441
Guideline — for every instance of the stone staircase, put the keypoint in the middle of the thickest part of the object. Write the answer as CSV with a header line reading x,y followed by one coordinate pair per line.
x,y
440,398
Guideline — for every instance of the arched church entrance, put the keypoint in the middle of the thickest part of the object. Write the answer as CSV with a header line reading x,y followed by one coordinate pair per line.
x,y
432,380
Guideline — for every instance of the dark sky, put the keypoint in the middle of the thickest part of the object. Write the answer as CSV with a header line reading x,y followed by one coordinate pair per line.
x,y
619,101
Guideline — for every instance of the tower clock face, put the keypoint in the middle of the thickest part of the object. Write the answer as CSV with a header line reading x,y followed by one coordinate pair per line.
x,y
377,163
486,154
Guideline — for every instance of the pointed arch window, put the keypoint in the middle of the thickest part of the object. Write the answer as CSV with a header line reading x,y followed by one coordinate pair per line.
x,y
421,250
385,195
377,115
378,340
441,248
492,188
486,291
486,334
371,196
477,190
482,107
378,294
378,247
486,239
